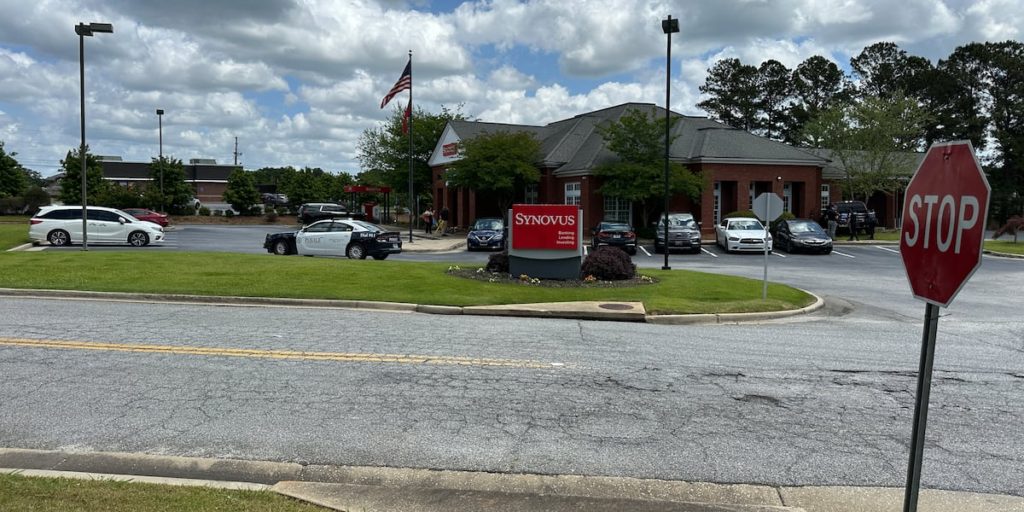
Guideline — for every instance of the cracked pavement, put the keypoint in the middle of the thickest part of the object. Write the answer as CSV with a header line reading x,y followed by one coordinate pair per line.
x,y
825,399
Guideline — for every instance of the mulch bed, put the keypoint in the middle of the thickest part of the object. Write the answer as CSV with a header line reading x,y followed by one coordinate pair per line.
x,y
479,274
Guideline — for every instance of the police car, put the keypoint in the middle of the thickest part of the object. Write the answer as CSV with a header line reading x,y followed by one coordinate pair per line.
x,y
355,239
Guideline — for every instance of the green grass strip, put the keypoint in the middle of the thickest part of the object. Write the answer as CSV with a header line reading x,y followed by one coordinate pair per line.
x,y
1007,246
676,292
72,495
13,235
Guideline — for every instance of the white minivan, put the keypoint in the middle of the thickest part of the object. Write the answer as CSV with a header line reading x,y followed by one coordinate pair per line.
x,y
62,225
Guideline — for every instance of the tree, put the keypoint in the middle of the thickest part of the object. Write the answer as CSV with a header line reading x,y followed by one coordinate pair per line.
x,y
241,192
500,163
873,140
384,150
732,87
310,185
639,173
774,93
13,177
176,190
71,185
817,85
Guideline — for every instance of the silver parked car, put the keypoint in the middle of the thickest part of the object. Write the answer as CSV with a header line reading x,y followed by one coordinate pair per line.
x,y
62,225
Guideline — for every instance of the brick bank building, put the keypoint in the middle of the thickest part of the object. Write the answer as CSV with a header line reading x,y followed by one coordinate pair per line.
x,y
737,165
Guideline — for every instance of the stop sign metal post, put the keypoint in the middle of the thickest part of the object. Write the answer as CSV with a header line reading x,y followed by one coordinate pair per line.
x,y
767,206
944,214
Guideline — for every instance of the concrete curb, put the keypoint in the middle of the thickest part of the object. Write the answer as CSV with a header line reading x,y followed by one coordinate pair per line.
x,y
992,253
587,310
184,482
725,318
21,247
382,488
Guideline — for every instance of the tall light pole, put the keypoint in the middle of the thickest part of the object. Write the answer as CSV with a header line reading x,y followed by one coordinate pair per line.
x,y
668,26
86,30
160,118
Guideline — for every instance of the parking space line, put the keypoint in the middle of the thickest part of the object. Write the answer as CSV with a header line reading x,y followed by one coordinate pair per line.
x,y
887,249
778,254
843,254
644,250
709,253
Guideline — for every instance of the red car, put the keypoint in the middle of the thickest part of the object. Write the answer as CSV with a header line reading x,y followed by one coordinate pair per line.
x,y
147,215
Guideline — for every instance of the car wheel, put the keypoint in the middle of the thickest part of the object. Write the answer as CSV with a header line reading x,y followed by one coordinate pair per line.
x,y
355,252
379,257
59,238
138,239
281,248
828,251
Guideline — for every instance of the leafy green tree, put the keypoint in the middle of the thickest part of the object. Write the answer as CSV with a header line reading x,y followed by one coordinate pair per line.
x,y
241,192
639,174
71,185
13,177
817,85
35,197
499,163
384,150
117,196
310,185
774,93
176,190
732,87
873,140
275,178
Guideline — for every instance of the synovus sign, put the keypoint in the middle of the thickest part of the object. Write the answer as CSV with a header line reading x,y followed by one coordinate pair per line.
x,y
545,226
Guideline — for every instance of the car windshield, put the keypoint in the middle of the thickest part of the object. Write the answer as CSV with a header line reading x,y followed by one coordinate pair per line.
x,y
614,226
492,224
745,225
806,227
681,222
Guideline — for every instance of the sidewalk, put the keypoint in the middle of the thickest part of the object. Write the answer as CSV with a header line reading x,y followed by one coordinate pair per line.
x,y
378,489
422,242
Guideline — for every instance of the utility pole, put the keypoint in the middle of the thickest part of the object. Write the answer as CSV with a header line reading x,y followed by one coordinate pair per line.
x,y
237,154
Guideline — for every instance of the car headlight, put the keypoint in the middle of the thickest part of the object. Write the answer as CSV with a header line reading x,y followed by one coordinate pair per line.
x,y
498,236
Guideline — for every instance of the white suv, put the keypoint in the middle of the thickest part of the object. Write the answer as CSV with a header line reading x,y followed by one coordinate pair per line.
x,y
62,225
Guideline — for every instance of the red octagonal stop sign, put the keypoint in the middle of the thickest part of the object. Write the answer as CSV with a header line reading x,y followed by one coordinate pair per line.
x,y
944,216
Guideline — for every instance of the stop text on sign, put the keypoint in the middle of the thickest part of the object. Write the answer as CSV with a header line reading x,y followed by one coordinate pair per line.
x,y
945,220
545,226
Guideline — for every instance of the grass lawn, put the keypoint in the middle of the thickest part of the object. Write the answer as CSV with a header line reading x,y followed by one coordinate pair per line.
x,y
676,291
1006,246
68,495
13,235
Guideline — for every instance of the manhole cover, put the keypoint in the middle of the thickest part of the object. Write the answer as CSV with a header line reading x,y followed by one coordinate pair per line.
x,y
617,307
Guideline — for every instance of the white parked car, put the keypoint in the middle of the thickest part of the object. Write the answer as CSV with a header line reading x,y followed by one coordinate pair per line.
x,y
62,225
742,234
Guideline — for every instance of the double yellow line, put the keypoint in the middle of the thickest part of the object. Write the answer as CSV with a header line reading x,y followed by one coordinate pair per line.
x,y
348,357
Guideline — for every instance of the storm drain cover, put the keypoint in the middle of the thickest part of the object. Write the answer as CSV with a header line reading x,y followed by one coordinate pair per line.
x,y
617,307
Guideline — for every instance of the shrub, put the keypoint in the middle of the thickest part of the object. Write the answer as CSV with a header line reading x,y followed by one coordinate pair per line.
x,y
740,213
204,211
608,264
498,262
229,213
271,215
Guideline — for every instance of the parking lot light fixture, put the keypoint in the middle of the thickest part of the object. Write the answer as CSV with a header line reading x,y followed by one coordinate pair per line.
x,y
668,26
84,30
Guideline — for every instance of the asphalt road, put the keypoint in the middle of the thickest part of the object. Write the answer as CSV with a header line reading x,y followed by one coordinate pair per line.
x,y
825,399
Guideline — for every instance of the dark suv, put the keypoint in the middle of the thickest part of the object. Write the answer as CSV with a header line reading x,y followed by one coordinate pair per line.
x,y
866,219
683,233
312,212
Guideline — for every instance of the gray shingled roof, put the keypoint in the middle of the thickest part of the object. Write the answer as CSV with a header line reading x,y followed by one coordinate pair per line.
x,y
834,170
574,146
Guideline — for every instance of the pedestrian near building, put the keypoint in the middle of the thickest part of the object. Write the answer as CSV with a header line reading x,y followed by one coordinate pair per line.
x,y
854,225
428,220
442,225
832,218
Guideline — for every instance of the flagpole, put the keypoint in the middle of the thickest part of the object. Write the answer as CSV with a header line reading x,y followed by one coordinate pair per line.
x,y
411,202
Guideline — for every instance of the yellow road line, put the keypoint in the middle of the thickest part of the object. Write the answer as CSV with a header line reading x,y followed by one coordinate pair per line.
x,y
276,354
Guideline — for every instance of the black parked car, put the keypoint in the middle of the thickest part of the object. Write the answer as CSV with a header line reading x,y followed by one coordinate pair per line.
x,y
617,234
866,219
683,233
802,235
312,212
486,233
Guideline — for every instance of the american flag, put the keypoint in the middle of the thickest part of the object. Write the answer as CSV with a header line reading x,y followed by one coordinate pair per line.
x,y
404,83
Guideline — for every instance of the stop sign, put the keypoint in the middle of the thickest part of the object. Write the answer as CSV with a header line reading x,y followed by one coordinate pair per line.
x,y
944,214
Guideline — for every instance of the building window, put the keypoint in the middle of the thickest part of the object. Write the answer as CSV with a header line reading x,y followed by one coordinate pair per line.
x,y
787,197
618,210
530,194
826,197
750,205
572,193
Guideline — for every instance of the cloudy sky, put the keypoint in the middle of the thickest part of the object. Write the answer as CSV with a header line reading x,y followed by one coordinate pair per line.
x,y
297,81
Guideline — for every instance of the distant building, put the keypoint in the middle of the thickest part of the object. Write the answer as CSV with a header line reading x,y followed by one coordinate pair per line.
x,y
209,179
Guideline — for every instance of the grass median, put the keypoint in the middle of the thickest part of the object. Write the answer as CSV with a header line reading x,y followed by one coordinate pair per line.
x,y
13,235
63,494
220,274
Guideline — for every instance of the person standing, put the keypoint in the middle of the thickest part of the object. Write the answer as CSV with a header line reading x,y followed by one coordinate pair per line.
x,y
832,217
428,220
854,226
442,226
